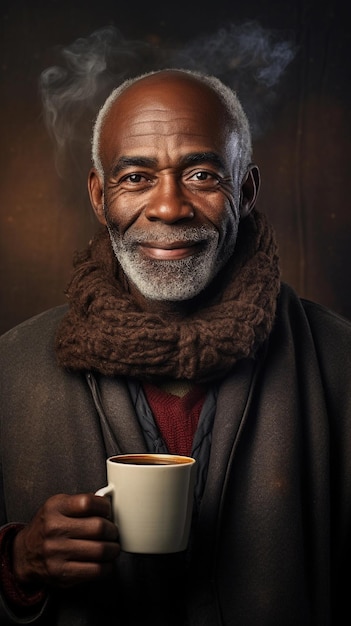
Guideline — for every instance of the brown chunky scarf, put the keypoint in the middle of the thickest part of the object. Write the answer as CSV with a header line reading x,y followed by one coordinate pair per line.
x,y
105,330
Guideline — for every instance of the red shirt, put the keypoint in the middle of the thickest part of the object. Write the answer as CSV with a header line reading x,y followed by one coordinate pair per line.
x,y
176,417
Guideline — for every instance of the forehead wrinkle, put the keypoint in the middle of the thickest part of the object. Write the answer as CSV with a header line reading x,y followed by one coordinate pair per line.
x,y
161,124
155,117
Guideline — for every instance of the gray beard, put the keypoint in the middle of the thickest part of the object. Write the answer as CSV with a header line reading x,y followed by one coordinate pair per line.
x,y
175,279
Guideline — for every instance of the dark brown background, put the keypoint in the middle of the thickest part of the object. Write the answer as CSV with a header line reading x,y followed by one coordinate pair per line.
x,y
304,153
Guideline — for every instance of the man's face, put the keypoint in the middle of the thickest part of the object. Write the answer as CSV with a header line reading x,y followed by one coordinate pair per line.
x,y
171,193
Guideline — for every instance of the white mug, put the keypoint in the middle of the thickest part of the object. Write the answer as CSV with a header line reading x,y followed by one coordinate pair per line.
x,y
152,501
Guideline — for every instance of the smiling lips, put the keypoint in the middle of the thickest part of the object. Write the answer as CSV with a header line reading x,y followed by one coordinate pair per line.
x,y
168,252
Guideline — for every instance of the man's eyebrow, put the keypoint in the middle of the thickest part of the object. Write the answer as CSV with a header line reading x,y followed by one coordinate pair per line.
x,y
133,161
198,158
193,158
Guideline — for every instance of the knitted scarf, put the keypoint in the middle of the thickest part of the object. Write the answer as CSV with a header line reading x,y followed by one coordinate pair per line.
x,y
106,331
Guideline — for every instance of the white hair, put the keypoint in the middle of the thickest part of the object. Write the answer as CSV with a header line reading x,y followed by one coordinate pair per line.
x,y
226,95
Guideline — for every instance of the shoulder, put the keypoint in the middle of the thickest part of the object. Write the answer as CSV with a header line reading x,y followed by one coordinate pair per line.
x,y
331,334
31,340
320,318
315,328
31,377
44,321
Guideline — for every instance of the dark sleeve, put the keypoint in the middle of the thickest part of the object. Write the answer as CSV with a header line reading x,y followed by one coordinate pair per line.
x,y
18,603
332,337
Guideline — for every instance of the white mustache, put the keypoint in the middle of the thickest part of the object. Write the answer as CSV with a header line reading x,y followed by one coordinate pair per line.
x,y
177,235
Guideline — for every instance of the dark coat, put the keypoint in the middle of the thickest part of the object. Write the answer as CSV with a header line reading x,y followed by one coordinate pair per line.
x,y
272,543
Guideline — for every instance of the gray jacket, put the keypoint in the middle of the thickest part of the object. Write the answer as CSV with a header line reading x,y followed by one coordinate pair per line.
x,y
271,545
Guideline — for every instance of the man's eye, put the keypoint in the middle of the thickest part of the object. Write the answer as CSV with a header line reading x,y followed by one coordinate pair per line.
x,y
134,178
203,176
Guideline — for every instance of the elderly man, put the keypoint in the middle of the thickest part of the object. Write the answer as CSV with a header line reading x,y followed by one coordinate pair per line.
x,y
178,337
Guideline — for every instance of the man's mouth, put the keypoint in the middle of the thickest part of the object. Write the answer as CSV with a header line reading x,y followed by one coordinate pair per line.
x,y
170,251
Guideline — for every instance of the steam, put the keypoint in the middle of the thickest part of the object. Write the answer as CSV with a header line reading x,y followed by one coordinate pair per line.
x,y
247,57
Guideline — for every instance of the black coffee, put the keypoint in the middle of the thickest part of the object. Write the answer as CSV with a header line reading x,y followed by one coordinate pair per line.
x,y
141,459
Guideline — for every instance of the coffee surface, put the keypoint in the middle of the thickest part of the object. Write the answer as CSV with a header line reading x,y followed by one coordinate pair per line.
x,y
151,460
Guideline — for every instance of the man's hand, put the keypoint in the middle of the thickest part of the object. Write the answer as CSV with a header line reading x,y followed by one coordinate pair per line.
x,y
70,540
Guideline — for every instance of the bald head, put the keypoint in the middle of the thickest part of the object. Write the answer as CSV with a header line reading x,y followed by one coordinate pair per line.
x,y
177,84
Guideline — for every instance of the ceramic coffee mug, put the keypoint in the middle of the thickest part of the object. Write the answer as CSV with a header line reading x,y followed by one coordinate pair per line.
x,y
152,501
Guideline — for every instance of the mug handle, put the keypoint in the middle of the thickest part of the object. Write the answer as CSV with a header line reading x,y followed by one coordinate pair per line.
x,y
105,491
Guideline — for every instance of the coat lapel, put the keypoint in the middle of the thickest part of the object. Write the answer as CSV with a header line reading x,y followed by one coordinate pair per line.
x,y
232,404
121,430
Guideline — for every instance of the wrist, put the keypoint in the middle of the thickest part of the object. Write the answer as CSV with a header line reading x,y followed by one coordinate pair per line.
x,y
17,591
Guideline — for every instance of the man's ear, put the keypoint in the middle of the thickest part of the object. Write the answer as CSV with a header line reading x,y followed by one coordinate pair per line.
x,y
96,194
249,190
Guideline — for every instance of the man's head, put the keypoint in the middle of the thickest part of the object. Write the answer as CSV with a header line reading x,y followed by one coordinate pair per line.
x,y
171,179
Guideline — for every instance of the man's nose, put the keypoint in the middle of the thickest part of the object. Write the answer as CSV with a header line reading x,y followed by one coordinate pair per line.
x,y
168,202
